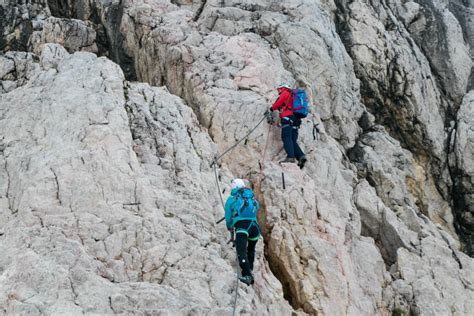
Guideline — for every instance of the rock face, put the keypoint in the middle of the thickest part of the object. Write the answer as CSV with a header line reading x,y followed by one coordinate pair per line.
x,y
106,187
74,35
84,210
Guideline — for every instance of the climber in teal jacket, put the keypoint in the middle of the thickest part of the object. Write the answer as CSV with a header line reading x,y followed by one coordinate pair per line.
x,y
241,210
238,195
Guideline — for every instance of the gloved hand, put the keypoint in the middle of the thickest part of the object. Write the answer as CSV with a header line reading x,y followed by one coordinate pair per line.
x,y
268,112
269,115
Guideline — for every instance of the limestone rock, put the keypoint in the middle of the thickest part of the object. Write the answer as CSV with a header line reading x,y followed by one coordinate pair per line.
x,y
400,181
396,77
101,204
16,68
51,55
432,279
106,185
436,30
463,10
74,35
315,243
18,21
381,223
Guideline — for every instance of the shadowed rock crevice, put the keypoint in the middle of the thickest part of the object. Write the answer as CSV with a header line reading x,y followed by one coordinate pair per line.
x,y
62,8
464,223
281,273
107,19
197,15
276,266
461,170
114,41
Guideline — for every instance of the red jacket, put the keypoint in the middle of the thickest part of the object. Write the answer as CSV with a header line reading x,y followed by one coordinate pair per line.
x,y
284,103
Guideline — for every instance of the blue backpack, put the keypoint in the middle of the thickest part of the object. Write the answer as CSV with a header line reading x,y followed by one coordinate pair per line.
x,y
246,206
300,103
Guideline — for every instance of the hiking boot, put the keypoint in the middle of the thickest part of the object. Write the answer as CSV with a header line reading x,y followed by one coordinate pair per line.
x,y
288,160
302,161
248,279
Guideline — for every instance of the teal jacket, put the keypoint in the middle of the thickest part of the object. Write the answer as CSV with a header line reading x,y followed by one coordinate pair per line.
x,y
233,204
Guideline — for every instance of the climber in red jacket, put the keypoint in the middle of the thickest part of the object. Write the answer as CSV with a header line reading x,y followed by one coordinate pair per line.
x,y
289,125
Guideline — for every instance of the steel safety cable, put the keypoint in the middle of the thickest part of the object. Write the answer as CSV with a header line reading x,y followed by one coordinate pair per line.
x,y
223,206
216,159
214,165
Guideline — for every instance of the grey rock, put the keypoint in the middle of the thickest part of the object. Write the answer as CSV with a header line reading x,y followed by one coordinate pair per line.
x,y
16,68
408,58
461,162
100,205
51,55
73,35
436,30
400,181
17,22
384,225
398,76
114,195
463,10
434,289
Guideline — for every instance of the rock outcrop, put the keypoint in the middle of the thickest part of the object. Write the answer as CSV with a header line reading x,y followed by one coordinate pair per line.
x,y
107,190
88,224
19,20
74,35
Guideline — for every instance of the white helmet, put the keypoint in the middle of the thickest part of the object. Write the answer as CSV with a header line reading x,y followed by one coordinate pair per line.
x,y
284,85
237,184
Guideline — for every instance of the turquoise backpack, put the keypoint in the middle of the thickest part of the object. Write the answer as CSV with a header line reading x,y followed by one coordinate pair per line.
x,y
246,206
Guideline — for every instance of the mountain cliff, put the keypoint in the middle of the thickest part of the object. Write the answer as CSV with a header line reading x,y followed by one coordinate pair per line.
x,y
111,113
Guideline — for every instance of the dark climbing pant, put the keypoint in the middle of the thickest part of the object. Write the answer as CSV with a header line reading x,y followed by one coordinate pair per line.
x,y
289,136
246,237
